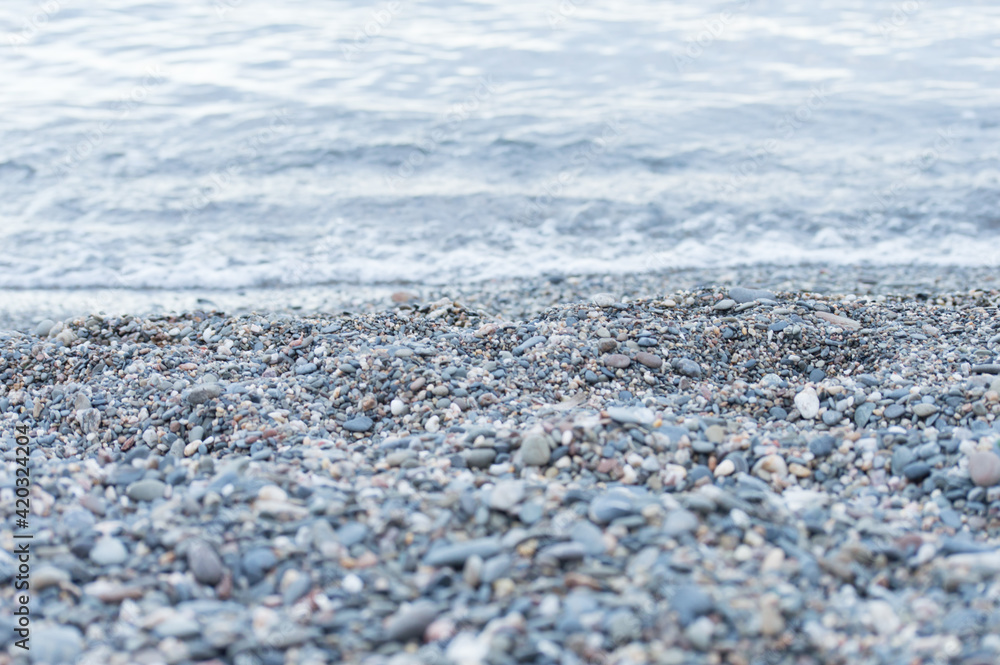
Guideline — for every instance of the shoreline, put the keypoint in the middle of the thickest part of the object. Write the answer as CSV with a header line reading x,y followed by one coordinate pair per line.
x,y
21,309
708,475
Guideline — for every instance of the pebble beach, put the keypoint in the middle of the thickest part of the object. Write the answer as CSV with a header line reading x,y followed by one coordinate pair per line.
x,y
667,469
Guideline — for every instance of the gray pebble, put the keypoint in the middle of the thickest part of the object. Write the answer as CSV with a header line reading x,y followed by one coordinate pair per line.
x,y
204,562
359,424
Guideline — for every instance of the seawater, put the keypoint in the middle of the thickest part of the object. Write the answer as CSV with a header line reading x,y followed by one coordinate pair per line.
x,y
229,144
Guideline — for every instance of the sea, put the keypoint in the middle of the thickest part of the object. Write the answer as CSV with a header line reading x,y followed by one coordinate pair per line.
x,y
220,146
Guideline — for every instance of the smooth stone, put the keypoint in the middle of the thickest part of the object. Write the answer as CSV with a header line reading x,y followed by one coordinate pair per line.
x,y
741,294
54,644
257,563
841,321
624,627
817,375
679,522
179,626
715,433
352,533
901,457
917,471
44,326
984,469
506,495
527,344
45,576
923,410
724,304
725,468
821,446
196,433
606,345
607,507
203,393
863,414
686,367
455,554
703,447
699,633
650,360
831,417
82,402
359,424
495,567
398,407
531,512
109,551
589,536
204,562
535,449
690,603
807,402
409,623
617,361
631,415
480,458
893,411
146,490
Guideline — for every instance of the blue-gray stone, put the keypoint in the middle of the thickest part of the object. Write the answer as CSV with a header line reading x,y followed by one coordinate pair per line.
x,y
901,456
686,367
821,446
893,411
588,535
55,645
527,344
359,424
352,533
495,567
203,393
455,554
831,417
611,506
690,602
257,563
917,471
863,414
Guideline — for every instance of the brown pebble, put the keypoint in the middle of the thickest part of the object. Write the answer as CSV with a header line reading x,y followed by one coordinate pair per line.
x,y
402,296
606,345
617,361
649,360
